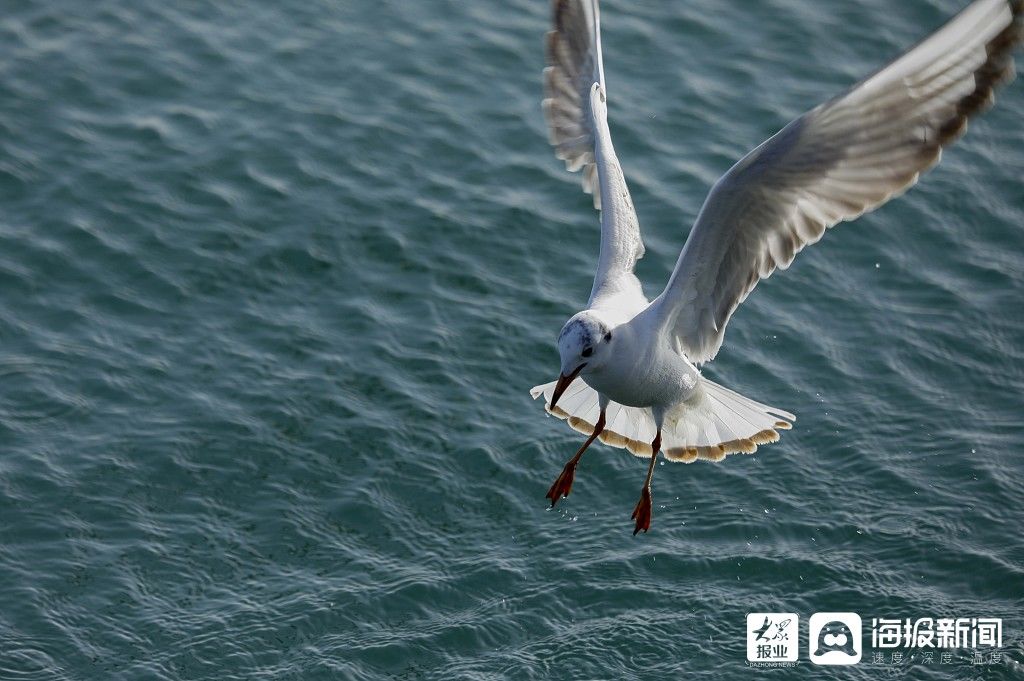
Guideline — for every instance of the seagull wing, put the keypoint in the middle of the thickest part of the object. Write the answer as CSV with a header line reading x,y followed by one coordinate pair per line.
x,y
574,64
575,106
834,163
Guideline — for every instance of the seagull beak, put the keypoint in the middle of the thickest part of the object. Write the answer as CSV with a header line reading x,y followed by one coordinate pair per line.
x,y
563,383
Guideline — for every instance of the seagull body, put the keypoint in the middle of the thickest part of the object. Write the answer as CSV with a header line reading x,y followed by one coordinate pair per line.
x,y
629,367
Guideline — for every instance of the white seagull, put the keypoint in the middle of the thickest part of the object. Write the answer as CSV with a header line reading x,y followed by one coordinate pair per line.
x,y
640,387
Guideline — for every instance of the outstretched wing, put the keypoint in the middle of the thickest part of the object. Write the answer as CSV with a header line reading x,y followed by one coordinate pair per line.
x,y
834,163
574,64
575,106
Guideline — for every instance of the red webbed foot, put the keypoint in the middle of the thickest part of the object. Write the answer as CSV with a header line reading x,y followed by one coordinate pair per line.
x,y
563,485
642,512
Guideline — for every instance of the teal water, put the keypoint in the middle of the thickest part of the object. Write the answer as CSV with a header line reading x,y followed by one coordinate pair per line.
x,y
277,278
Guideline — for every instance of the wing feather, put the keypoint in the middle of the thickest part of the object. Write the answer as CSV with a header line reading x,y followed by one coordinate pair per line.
x,y
835,163
573,51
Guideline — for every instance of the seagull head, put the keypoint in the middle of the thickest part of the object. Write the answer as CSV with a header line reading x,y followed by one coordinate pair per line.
x,y
583,346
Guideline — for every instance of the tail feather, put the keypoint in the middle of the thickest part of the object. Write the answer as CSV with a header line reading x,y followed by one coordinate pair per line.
x,y
712,424
717,422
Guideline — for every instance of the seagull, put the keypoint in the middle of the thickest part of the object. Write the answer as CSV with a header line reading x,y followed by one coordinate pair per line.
x,y
629,372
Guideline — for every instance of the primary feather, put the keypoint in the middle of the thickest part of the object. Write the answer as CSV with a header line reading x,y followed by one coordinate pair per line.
x,y
574,65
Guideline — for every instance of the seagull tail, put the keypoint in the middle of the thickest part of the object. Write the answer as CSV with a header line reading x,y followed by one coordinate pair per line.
x,y
716,422
712,424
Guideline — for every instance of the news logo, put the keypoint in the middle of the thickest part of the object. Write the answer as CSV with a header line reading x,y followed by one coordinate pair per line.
x,y
773,637
835,638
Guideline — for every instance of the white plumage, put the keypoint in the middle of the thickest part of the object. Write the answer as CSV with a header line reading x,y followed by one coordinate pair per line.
x,y
634,362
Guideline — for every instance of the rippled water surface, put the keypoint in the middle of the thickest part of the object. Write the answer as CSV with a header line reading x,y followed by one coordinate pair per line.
x,y
276,278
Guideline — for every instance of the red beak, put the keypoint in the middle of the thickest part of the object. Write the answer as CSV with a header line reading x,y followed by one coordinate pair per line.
x,y
563,383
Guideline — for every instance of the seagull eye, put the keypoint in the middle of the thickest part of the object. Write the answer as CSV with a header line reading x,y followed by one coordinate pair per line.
x,y
587,352
607,336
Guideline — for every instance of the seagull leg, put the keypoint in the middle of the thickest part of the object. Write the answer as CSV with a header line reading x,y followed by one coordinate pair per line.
x,y
563,484
642,512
